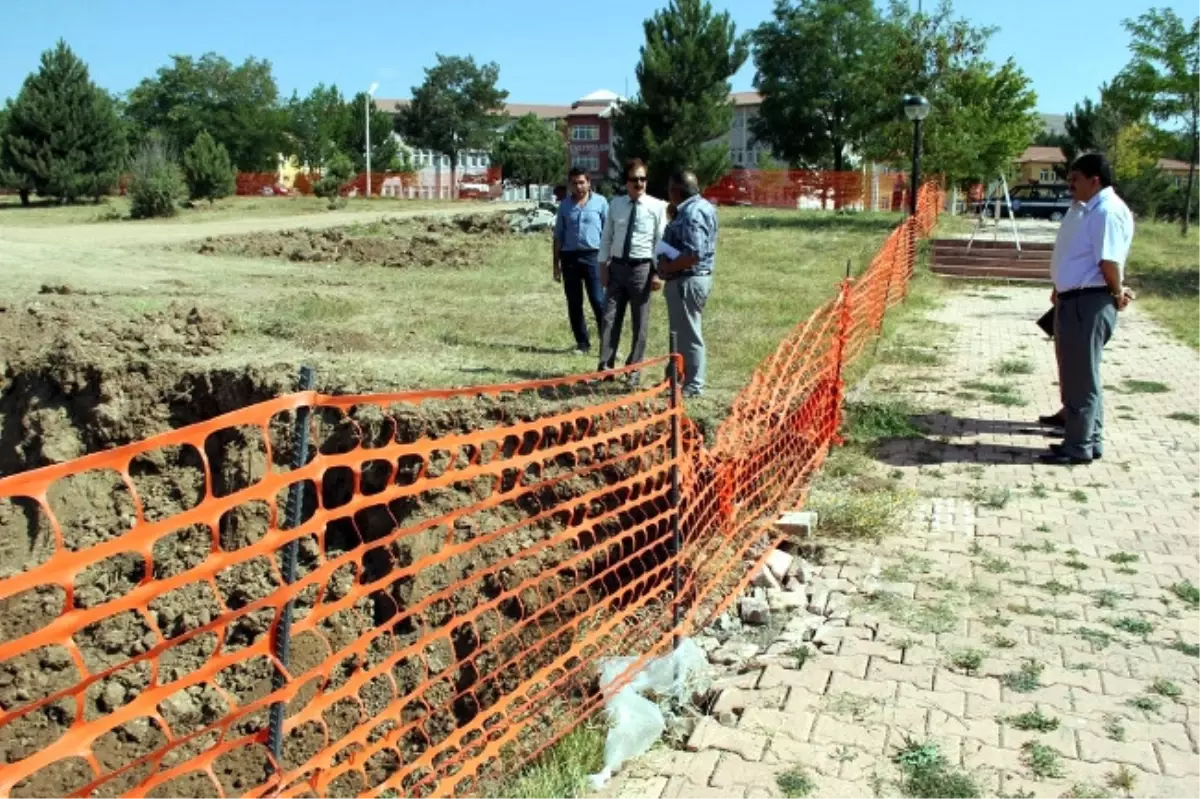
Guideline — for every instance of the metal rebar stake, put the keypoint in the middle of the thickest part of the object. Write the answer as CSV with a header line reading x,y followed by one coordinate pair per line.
x,y
676,533
295,505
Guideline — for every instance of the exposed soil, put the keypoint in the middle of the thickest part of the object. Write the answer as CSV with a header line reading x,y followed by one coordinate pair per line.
x,y
419,241
76,382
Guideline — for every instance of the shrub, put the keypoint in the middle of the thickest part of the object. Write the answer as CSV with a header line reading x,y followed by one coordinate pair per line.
x,y
207,169
157,183
338,172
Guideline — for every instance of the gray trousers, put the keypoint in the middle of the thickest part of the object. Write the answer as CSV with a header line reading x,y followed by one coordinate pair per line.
x,y
1083,324
627,286
686,297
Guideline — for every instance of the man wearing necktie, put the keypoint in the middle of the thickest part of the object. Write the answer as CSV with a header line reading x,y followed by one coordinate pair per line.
x,y
632,230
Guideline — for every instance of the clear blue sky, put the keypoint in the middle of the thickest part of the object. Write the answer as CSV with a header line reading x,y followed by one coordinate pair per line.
x,y
549,51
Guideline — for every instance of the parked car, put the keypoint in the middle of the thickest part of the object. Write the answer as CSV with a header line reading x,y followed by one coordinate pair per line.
x,y
1034,200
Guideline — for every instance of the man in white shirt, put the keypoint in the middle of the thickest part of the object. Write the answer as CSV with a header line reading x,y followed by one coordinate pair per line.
x,y
1087,268
632,230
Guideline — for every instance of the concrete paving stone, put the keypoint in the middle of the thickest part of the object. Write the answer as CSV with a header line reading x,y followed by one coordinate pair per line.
x,y
674,763
756,792
738,699
920,676
1118,686
788,753
876,689
1177,763
797,725
834,788
830,729
711,735
1087,680
733,771
877,649
1095,748
984,730
747,680
949,701
682,788
639,787
987,687
812,677
1062,739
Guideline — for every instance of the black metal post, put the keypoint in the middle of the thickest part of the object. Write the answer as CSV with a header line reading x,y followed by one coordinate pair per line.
x,y
916,166
295,505
673,497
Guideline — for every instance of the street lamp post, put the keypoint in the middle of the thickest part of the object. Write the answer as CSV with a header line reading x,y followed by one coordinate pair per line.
x,y
916,108
367,117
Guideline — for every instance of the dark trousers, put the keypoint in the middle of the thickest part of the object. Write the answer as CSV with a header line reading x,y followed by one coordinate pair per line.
x,y
581,275
1083,324
628,285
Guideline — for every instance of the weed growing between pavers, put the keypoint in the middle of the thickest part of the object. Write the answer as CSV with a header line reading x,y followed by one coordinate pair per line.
x,y
870,422
1188,592
909,566
1166,688
1083,790
967,661
1186,648
1079,495
1014,366
1076,564
1123,557
996,393
1184,416
1044,762
1026,679
1142,387
1097,638
1146,704
1033,720
795,783
936,616
996,565
1132,625
925,772
1055,588
855,515
1107,598
1113,728
994,497
999,641
1122,780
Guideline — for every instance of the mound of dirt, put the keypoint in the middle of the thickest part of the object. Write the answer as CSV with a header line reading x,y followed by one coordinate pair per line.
x,y
419,241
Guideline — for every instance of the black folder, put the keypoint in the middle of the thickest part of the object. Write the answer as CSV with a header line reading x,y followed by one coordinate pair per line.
x,y
1046,323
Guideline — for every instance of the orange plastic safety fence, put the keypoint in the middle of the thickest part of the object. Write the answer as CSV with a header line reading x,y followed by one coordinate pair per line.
x,y
465,558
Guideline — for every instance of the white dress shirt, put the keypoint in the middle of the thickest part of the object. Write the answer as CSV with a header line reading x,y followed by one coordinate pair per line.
x,y
648,228
1099,230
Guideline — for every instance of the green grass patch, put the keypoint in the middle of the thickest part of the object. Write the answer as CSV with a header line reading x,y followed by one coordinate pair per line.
x,y
1044,762
1114,729
1146,704
1055,588
1078,494
1188,592
1123,557
1166,688
994,497
996,565
968,661
795,783
1162,268
1107,598
1129,386
1184,416
1121,779
925,772
1026,679
909,566
1034,720
1097,638
1185,648
1014,366
1132,625
935,616
562,770
996,393
860,515
872,422
1047,546
999,641
1076,564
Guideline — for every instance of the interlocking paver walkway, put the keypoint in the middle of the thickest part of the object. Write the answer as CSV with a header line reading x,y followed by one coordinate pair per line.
x,y
1068,570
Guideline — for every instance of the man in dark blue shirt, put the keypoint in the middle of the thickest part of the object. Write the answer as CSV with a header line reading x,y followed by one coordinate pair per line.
x,y
693,232
577,232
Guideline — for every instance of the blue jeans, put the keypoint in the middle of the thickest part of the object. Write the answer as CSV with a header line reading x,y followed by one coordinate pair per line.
x,y
580,275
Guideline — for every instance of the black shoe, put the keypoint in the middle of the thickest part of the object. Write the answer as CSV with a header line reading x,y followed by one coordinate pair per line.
x,y
1053,420
1061,459
1057,449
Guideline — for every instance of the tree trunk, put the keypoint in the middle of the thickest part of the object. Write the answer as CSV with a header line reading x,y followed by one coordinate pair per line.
x,y
24,193
839,162
1191,181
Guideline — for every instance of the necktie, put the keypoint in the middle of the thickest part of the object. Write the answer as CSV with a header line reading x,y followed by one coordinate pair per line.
x,y
629,228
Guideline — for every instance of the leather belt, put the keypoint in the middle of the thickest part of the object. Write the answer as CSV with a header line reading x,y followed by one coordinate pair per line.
x,y
1066,295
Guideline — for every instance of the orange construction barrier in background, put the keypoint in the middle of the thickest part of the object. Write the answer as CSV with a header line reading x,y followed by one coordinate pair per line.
x,y
416,604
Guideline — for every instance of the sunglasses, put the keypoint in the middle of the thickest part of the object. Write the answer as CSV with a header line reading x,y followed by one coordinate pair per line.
x,y
636,180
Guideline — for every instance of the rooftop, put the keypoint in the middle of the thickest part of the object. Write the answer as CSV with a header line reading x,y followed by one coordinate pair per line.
x,y
1048,155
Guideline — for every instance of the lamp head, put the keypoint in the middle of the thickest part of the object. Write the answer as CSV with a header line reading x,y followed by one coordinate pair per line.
x,y
916,107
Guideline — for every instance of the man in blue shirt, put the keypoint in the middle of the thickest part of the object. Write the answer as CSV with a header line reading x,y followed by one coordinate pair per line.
x,y
577,232
693,232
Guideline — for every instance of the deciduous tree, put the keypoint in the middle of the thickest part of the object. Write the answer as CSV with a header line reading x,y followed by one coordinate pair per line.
x,y
531,152
682,105
813,66
1163,77
238,105
458,107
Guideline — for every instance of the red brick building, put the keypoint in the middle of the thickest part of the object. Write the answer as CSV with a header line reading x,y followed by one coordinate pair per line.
x,y
589,132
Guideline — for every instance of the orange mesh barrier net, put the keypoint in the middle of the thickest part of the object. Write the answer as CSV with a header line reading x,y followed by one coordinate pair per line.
x,y
413,604
811,189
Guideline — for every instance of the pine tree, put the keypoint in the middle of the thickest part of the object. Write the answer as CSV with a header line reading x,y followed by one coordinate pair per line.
x,y
62,136
683,93
207,169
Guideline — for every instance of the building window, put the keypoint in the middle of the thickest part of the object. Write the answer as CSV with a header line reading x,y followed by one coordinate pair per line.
x,y
585,133
738,157
1046,176
589,162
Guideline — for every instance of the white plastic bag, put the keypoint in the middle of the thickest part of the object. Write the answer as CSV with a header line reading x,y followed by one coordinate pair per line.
x,y
636,722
